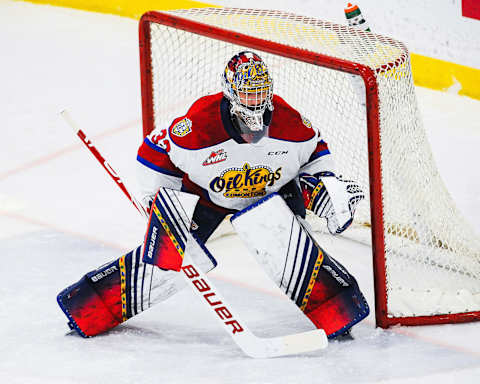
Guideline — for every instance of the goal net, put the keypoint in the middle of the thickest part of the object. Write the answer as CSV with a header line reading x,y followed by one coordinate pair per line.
x,y
357,88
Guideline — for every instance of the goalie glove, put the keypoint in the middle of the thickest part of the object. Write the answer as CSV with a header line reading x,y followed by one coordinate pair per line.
x,y
331,197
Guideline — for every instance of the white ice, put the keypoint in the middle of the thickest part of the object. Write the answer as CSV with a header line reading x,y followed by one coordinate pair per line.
x,y
60,216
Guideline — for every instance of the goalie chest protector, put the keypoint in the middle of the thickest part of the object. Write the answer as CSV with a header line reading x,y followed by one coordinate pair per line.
x,y
233,174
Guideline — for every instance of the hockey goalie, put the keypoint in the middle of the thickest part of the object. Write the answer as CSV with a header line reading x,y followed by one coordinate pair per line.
x,y
247,153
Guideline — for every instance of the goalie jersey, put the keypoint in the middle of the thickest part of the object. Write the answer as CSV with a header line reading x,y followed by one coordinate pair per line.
x,y
202,153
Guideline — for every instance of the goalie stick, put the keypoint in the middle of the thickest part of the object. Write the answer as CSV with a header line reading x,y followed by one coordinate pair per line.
x,y
251,345
103,162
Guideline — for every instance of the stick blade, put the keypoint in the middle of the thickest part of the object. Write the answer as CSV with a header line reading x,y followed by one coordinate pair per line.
x,y
306,341
298,343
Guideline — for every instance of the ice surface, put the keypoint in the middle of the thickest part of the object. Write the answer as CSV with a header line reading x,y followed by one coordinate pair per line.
x,y
60,216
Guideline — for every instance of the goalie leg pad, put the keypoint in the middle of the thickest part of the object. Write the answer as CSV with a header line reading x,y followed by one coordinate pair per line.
x,y
97,302
334,302
319,285
86,312
117,291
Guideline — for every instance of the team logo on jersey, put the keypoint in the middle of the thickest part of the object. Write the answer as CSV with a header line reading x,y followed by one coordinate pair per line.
x,y
245,182
306,122
215,157
183,127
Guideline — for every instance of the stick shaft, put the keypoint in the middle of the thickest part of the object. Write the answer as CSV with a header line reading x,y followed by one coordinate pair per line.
x,y
104,163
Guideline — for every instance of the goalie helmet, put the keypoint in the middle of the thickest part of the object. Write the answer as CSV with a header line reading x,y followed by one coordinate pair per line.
x,y
249,88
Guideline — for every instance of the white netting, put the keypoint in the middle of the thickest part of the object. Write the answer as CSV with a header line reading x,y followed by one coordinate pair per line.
x,y
432,255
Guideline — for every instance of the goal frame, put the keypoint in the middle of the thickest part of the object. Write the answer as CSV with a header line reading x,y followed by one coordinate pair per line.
x,y
373,136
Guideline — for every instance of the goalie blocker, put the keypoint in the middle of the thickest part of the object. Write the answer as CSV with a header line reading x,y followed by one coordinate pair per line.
x,y
318,284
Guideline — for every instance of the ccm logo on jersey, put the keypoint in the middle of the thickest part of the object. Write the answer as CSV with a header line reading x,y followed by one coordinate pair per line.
x,y
245,182
277,153
182,128
215,157
211,298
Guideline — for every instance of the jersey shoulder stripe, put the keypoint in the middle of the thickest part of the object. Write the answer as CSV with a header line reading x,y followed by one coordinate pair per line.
x,y
201,127
156,158
153,146
157,168
320,150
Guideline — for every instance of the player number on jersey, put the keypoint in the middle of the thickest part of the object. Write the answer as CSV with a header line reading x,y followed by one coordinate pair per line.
x,y
161,140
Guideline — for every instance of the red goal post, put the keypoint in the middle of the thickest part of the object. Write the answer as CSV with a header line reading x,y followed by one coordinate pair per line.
x,y
178,50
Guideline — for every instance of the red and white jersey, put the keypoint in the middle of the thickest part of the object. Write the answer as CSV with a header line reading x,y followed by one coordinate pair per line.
x,y
202,153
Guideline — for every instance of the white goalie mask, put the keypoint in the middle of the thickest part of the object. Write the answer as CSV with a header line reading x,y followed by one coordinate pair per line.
x,y
249,88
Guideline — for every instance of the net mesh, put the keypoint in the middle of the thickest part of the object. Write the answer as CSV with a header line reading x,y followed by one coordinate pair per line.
x,y
432,255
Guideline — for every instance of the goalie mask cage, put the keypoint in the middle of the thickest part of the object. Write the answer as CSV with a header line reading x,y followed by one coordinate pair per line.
x,y
357,88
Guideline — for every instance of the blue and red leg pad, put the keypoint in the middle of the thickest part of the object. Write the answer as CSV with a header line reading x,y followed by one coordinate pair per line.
x,y
94,305
336,303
